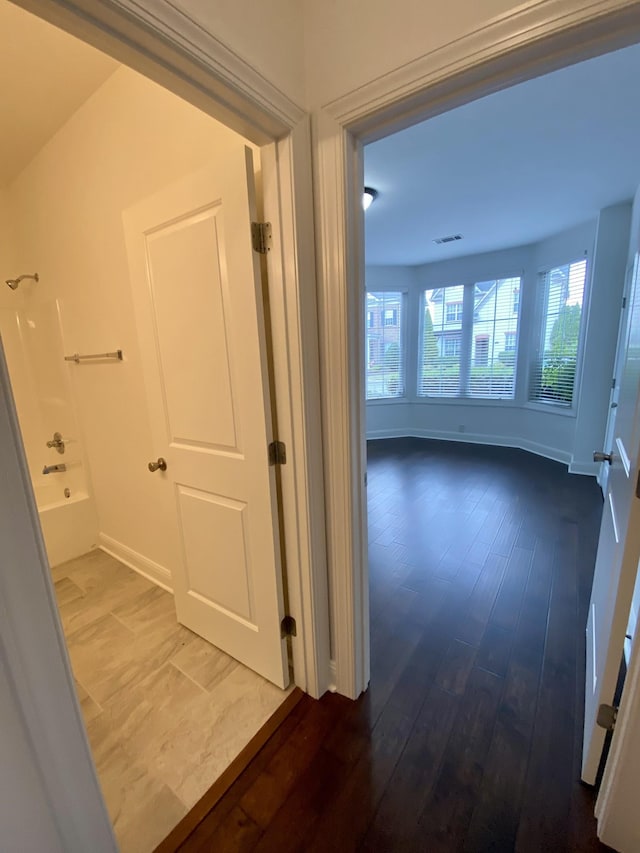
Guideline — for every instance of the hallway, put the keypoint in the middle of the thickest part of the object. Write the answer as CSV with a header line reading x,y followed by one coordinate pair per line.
x,y
469,737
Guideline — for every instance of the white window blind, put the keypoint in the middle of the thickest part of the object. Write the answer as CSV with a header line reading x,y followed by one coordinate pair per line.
x,y
468,346
384,356
560,300
494,336
441,342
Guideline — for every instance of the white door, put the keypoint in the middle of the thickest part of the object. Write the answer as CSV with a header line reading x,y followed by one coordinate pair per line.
x,y
621,352
197,291
619,545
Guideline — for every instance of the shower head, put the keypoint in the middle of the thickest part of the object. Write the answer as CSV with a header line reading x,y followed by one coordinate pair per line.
x,y
14,282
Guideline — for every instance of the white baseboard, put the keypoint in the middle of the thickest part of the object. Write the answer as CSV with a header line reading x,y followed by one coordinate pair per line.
x,y
332,677
143,565
479,438
589,469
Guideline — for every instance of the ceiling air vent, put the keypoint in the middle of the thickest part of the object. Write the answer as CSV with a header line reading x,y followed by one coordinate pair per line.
x,y
450,239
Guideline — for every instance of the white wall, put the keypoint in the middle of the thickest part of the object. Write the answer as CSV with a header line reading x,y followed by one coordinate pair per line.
x,y
127,141
315,52
25,813
268,36
348,43
569,438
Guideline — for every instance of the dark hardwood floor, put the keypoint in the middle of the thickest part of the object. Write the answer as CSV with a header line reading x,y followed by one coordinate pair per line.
x,y
469,736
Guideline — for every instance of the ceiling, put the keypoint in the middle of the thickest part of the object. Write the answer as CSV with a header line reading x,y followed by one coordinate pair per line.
x,y
45,75
508,169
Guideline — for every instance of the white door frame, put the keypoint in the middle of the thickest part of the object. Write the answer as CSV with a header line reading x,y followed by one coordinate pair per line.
x,y
161,42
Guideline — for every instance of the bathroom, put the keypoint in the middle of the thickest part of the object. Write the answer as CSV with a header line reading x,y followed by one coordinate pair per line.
x,y
99,138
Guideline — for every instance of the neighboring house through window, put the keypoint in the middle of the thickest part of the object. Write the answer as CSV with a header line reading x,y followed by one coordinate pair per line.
x,y
453,312
451,345
385,345
475,362
509,341
481,351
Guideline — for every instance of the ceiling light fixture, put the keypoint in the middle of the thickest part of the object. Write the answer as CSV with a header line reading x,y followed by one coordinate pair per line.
x,y
368,197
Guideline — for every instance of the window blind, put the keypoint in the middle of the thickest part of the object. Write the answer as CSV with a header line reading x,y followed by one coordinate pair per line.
x,y
441,342
560,301
493,339
384,356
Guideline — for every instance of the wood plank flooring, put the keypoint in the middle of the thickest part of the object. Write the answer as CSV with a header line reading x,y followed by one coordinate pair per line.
x,y
469,736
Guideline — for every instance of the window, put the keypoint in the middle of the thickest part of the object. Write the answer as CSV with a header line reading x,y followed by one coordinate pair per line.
x,y
481,352
516,300
451,345
454,312
384,345
493,366
560,299
439,368
479,360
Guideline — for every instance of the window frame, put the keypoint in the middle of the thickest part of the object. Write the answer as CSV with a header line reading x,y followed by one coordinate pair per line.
x,y
389,321
457,304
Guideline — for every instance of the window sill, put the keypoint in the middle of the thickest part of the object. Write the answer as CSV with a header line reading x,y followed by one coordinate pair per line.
x,y
550,409
386,401
494,402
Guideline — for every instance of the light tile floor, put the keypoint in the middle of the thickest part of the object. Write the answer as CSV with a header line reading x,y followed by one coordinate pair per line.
x,y
165,711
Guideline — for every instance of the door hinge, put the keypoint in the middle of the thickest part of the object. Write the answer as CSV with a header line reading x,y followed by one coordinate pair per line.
x,y
624,301
261,237
277,453
613,382
606,718
638,486
288,627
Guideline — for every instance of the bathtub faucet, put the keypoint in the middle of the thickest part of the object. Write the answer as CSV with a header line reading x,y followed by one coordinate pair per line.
x,y
57,441
54,469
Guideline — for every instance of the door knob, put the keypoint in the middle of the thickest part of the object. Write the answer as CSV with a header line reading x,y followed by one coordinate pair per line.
x,y
598,456
161,464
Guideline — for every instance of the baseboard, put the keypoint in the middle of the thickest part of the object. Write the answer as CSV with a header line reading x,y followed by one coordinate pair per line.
x,y
478,438
331,687
143,565
589,469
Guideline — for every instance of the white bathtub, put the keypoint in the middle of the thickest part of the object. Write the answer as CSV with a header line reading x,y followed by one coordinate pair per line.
x,y
69,525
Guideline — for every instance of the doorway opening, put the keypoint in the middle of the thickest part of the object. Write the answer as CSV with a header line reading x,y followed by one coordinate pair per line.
x,y
491,379
165,711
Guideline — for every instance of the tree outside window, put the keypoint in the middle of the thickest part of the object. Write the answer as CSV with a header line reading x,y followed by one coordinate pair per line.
x,y
561,294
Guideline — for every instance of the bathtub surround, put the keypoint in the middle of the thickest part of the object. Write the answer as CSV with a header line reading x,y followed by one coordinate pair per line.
x,y
166,713
32,337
